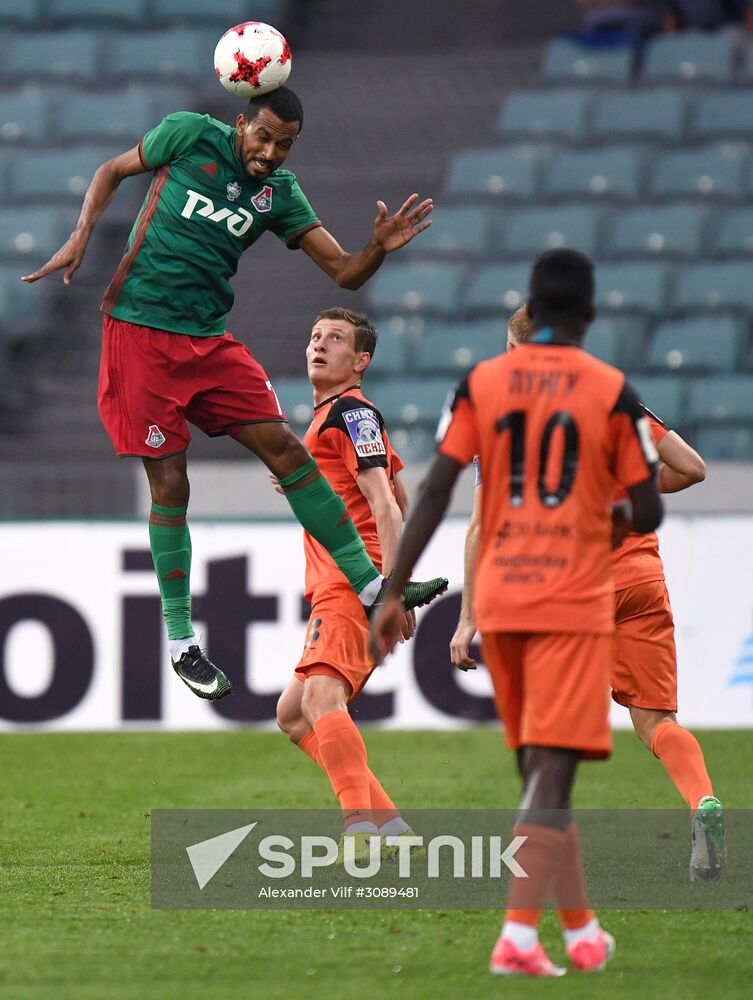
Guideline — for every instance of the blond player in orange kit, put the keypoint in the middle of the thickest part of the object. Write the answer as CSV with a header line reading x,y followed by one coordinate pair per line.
x,y
644,666
557,432
352,447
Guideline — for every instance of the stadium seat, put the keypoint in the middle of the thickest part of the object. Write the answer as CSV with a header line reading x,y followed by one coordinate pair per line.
x,y
669,231
555,114
631,287
725,398
504,173
27,13
58,55
393,350
658,115
689,56
63,175
412,443
727,443
714,171
34,233
612,172
697,345
24,116
663,395
456,347
723,113
408,401
296,398
498,288
616,341
531,231
458,230
724,286
124,114
735,233
567,62
170,54
228,12
432,288
92,12
20,303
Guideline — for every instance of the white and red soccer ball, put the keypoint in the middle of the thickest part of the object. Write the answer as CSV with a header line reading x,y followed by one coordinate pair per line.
x,y
251,59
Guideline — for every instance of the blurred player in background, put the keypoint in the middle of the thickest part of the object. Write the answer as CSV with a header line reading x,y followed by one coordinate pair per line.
x,y
644,668
555,430
349,441
166,356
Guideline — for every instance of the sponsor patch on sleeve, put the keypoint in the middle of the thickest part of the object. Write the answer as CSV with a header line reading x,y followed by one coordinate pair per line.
x,y
363,427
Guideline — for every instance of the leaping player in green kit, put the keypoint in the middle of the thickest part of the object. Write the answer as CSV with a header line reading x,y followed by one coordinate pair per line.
x,y
168,359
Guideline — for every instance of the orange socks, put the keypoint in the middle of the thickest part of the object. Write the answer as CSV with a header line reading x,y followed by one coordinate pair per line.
x,y
570,890
682,757
343,756
541,856
382,806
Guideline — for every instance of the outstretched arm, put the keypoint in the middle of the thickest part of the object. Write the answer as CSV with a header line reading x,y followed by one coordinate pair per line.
x,y
466,628
351,270
681,466
98,196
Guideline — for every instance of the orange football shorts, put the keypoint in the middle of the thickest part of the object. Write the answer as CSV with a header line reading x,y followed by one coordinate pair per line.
x,y
644,668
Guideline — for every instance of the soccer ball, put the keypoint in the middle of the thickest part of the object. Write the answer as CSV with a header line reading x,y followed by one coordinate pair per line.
x,y
251,59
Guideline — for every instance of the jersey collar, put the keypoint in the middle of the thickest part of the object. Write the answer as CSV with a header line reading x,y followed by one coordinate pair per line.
x,y
356,385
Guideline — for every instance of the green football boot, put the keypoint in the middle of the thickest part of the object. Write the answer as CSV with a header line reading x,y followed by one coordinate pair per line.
x,y
708,840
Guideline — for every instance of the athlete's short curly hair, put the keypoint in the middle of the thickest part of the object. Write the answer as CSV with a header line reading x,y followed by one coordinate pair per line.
x,y
520,327
365,339
281,102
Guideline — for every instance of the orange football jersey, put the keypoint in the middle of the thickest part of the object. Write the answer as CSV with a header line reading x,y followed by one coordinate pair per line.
x,y
557,432
346,436
637,560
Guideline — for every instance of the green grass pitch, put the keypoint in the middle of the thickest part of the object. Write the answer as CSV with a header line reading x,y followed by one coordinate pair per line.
x,y
76,922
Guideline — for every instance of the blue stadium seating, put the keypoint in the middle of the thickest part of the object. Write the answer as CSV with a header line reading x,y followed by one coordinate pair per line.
x,y
611,172
734,236
408,401
430,288
21,12
698,345
568,62
617,341
123,114
663,395
457,230
631,287
723,113
555,114
726,443
393,350
657,231
658,115
24,116
296,398
714,171
227,12
531,231
52,55
504,173
722,399
454,347
498,288
689,56
32,232
171,54
725,286
92,12
60,175
21,304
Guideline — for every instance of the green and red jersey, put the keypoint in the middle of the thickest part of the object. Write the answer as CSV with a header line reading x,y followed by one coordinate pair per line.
x,y
202,210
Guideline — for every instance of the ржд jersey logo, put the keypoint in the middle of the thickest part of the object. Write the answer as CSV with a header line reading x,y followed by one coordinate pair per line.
x,y
238,221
